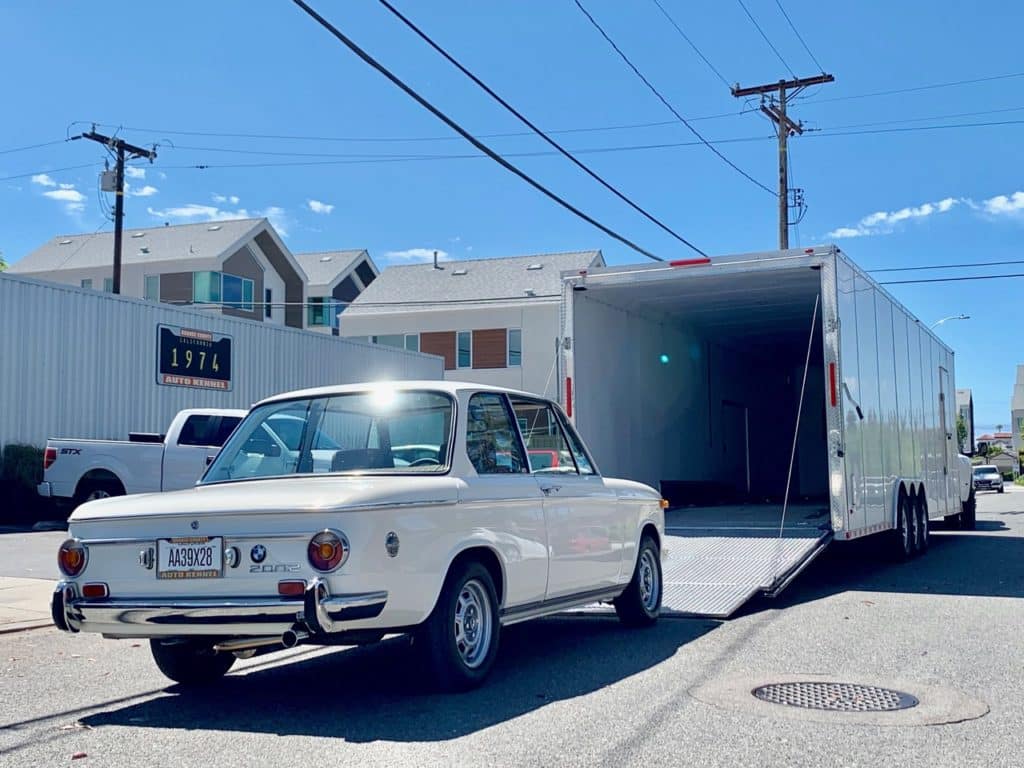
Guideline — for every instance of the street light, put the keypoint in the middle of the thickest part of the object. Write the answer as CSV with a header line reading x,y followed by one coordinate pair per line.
x,y
951,317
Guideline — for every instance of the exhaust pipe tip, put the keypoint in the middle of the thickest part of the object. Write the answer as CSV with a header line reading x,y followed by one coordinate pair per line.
x,y
293,637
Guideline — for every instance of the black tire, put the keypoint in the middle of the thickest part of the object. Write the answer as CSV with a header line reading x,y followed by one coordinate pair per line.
x,y
640,604
969,515
902,539
923,533
90,490
460,638
1000,489
190,662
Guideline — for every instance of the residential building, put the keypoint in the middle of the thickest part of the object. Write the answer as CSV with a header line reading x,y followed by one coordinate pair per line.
x,y
1017,411
334,279
1002,441
494,321
239,267
965,411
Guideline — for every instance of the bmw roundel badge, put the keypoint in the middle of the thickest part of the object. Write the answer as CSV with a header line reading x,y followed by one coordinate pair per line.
x,y
258,553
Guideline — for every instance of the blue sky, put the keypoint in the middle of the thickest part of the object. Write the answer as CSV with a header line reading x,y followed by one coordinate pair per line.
x,y
889,199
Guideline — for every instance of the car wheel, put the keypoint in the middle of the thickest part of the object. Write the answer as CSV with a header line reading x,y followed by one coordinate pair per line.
x,y
640,604
1000,489
190,662
460,639
923,534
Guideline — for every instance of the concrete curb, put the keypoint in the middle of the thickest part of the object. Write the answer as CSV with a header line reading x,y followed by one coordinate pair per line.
x,y
24,626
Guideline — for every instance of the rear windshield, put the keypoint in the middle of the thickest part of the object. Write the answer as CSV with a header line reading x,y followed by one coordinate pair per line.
x,y
377,432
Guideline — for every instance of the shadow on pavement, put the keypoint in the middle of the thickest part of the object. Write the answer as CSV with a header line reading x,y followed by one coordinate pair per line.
x,y
957,563
374,693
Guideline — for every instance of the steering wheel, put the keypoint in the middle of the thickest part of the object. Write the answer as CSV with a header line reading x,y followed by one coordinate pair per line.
x,y
425,461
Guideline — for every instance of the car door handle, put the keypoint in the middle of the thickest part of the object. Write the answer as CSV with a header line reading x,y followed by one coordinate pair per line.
x,y
549,489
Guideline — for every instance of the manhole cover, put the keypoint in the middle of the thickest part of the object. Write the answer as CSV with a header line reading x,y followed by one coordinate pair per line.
x,y
837,697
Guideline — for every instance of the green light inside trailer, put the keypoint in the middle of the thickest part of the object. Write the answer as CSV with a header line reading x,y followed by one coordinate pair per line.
x,y
663,359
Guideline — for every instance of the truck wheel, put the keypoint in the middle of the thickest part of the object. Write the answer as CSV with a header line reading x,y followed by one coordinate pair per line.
x,y
190,662
640,604
90,490
460,639
969,515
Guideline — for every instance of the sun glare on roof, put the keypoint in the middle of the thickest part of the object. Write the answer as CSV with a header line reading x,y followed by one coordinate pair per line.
x,y
535,266
65,242
138,234
325,259
213,228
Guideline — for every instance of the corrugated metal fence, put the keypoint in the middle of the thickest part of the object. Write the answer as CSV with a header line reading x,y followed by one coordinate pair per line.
x,y
79,363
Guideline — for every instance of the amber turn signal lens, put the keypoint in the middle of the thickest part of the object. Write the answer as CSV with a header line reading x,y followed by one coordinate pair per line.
x,y
98,589
327,550
72,557
291,588
664,503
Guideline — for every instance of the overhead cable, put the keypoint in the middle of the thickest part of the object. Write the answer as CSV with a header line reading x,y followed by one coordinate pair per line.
x,y
799,37
526,121
693,45
366,57
770,45
664,101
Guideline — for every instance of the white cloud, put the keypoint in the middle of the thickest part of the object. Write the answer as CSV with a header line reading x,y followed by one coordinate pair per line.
x,y
1004,205
134,172
233,199
66,186
276,216
190,211
43,180
317,207
884,222
146,191
74,201
417,254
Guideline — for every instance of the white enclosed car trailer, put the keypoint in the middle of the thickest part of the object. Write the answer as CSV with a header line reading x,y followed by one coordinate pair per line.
x,y
781,400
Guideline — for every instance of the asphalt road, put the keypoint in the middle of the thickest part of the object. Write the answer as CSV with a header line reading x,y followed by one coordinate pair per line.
x,y
582,691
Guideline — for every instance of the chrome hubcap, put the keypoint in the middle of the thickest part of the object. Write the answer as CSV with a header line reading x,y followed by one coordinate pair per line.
x,y
649,586
905,524
97,494
473,623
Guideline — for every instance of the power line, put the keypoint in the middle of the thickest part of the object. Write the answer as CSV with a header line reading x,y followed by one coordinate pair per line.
x,y
910,129
664,101
48,170
463,132
922,119
526,121
950,279
966,265
693,45
799,36
409,139
33,146
917,88
754,22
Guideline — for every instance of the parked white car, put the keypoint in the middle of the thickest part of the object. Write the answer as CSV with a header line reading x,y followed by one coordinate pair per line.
x,y
79,470
326,537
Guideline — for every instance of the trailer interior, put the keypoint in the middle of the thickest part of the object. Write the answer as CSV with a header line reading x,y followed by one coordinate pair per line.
x,y
692,384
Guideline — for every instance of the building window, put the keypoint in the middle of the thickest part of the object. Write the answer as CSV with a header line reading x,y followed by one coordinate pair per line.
x,y
152,288
206,287
316,312
237,292
412,342
87,283
396,340
515,347
464,349
108,284
267,297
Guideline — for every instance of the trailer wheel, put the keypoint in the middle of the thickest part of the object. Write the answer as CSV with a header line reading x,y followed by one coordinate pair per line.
x,y
923,534
902,541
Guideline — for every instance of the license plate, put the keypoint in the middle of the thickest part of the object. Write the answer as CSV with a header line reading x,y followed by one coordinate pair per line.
x,y
193,557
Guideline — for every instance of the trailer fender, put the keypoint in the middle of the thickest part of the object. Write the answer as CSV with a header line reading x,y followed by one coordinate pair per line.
x,y
904,486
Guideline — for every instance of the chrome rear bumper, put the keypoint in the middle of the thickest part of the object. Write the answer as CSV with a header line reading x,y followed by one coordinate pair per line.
x,y
157,617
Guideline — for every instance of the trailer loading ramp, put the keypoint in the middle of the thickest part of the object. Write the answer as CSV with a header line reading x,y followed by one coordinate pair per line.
x,y
715,559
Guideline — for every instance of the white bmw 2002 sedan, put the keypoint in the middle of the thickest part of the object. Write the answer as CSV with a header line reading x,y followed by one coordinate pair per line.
x,y
341,514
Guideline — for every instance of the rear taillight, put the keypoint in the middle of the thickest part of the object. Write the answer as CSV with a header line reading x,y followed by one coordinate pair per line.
x,y
49,456
98,589
291,588
327,550
72,557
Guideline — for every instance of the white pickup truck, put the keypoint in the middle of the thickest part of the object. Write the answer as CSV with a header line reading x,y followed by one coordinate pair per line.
x,y
83,470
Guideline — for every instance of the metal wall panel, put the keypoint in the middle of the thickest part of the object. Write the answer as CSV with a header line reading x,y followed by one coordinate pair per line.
x,y
80,363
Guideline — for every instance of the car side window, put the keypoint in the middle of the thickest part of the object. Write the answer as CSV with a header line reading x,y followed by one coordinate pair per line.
x,y
576,446
491,441
546,445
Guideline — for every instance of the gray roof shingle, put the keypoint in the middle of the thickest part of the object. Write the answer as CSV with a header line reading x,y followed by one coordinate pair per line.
x,y
471,280
323,267
208,239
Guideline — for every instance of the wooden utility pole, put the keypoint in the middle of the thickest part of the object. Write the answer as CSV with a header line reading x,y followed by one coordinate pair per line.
x,y
776,111
123,149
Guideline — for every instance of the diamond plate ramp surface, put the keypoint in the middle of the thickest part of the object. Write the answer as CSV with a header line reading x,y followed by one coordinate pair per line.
x,y
714,575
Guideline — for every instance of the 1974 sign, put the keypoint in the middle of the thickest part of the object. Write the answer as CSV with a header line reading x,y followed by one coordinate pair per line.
x,y
191,358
